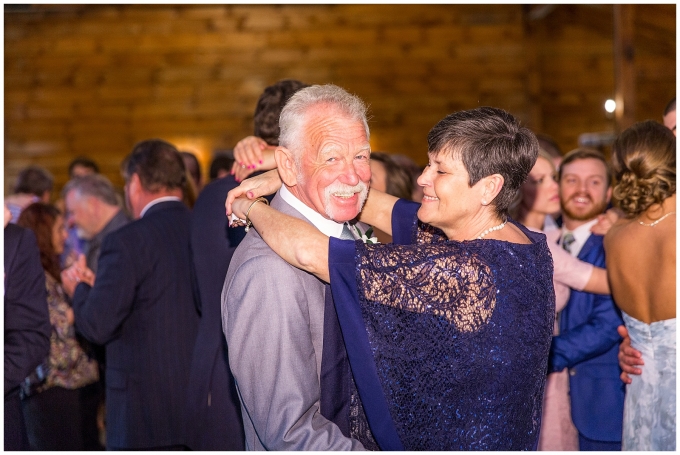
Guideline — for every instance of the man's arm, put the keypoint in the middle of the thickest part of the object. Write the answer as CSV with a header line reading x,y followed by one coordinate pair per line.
x,y
629,357
594,337
27,322
100,310
266,319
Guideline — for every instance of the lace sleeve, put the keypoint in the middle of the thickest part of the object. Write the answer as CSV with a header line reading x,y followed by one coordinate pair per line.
x,y
440,279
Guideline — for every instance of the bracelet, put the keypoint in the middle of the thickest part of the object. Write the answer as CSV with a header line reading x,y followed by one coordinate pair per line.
x,y
248,222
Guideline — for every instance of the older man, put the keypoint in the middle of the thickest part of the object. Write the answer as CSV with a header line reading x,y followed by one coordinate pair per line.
x,y
285,348
142,307
92,206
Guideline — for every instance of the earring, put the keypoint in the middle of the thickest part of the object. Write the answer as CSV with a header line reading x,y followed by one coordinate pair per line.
x,y
483,202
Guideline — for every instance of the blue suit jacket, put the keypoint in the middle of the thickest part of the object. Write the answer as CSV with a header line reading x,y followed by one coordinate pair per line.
x,y
142,309
27,325
213,405
588,345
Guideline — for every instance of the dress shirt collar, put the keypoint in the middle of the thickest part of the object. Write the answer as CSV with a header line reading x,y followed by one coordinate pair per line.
x,y
158,201
580,234
326,226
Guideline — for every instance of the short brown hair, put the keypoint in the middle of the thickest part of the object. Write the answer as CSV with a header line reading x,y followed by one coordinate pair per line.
x,y
488,141
583,153
269,106
158,165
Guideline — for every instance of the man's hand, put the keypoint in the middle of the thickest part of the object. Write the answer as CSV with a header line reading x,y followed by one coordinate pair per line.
x,y
254,187
252,154
8,216
629,357
76,273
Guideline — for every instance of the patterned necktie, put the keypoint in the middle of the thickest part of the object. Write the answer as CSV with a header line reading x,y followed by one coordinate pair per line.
x,y
346,233
567,240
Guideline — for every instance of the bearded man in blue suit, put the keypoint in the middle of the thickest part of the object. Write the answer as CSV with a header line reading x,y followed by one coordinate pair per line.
x,y
588,342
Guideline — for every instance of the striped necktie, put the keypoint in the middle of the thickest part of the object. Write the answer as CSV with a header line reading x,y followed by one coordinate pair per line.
x,y
346,233
567,240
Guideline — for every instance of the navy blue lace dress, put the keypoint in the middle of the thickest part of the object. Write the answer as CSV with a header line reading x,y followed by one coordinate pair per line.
x,y
448,340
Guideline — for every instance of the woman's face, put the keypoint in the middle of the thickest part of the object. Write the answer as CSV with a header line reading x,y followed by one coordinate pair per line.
x,y
378,176
540,191
59,235
449,203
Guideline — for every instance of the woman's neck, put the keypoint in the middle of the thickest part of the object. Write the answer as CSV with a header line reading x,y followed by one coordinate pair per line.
x,y
533,220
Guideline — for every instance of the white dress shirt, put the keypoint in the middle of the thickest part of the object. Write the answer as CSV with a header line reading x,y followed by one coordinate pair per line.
x,y
326,226
580,234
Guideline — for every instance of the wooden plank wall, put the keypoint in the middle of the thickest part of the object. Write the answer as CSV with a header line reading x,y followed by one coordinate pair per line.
x,y
94,79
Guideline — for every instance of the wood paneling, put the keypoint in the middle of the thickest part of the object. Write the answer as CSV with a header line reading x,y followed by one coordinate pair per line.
x,y
94,79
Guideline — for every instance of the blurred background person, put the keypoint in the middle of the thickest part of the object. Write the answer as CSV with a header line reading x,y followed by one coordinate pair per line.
x,y
414,170
93,209
82,166
26,321
194,169
391,178
75,245
221,166
669,115
641,265
33,184
539,197
60,399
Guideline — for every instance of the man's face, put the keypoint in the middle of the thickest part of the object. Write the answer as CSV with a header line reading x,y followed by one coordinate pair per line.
x,y
584,192
669,121
80,214
334,171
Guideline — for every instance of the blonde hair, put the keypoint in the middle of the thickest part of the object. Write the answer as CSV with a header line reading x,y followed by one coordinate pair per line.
x,y
643,159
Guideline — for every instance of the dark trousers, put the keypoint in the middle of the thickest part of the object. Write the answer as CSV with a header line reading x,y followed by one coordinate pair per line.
x,y
590,445
63,419
15,429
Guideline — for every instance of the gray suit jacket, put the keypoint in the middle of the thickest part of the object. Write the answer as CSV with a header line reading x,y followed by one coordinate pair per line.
x,y
272,317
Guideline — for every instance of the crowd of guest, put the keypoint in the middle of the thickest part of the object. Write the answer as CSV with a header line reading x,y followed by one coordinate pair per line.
x,y
348,299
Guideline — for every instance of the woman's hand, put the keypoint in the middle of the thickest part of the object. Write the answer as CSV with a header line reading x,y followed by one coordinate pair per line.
x,y
76,273
252,188
252,154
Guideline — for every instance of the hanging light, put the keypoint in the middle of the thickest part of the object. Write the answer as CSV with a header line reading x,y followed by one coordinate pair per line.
x,y
610,105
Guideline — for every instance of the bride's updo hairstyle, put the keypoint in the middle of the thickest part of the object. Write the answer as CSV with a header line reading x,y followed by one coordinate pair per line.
x,y
643,160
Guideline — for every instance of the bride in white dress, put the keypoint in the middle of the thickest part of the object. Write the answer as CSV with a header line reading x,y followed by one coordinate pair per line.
x,y
641,267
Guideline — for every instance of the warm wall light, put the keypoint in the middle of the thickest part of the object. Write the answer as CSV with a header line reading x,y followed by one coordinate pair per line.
x,y
610,106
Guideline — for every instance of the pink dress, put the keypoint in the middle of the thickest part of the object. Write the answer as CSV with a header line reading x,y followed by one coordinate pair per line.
x,y
557,429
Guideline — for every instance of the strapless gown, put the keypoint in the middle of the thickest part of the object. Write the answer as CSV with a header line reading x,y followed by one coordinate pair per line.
x,y
649,408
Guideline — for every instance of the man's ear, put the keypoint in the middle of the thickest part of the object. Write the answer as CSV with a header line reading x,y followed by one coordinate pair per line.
x,y
285,163
492,185
608,195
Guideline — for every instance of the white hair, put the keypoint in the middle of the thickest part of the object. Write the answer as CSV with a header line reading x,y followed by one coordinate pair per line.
x,y
293,114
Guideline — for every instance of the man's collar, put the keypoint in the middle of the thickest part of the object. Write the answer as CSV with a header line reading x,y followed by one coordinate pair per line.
x,y
107,227
158,201
581,235
326,226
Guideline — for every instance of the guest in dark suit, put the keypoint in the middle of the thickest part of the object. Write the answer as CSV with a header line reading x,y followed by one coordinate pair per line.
x,y
588,341
27,325
141,306
213,404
